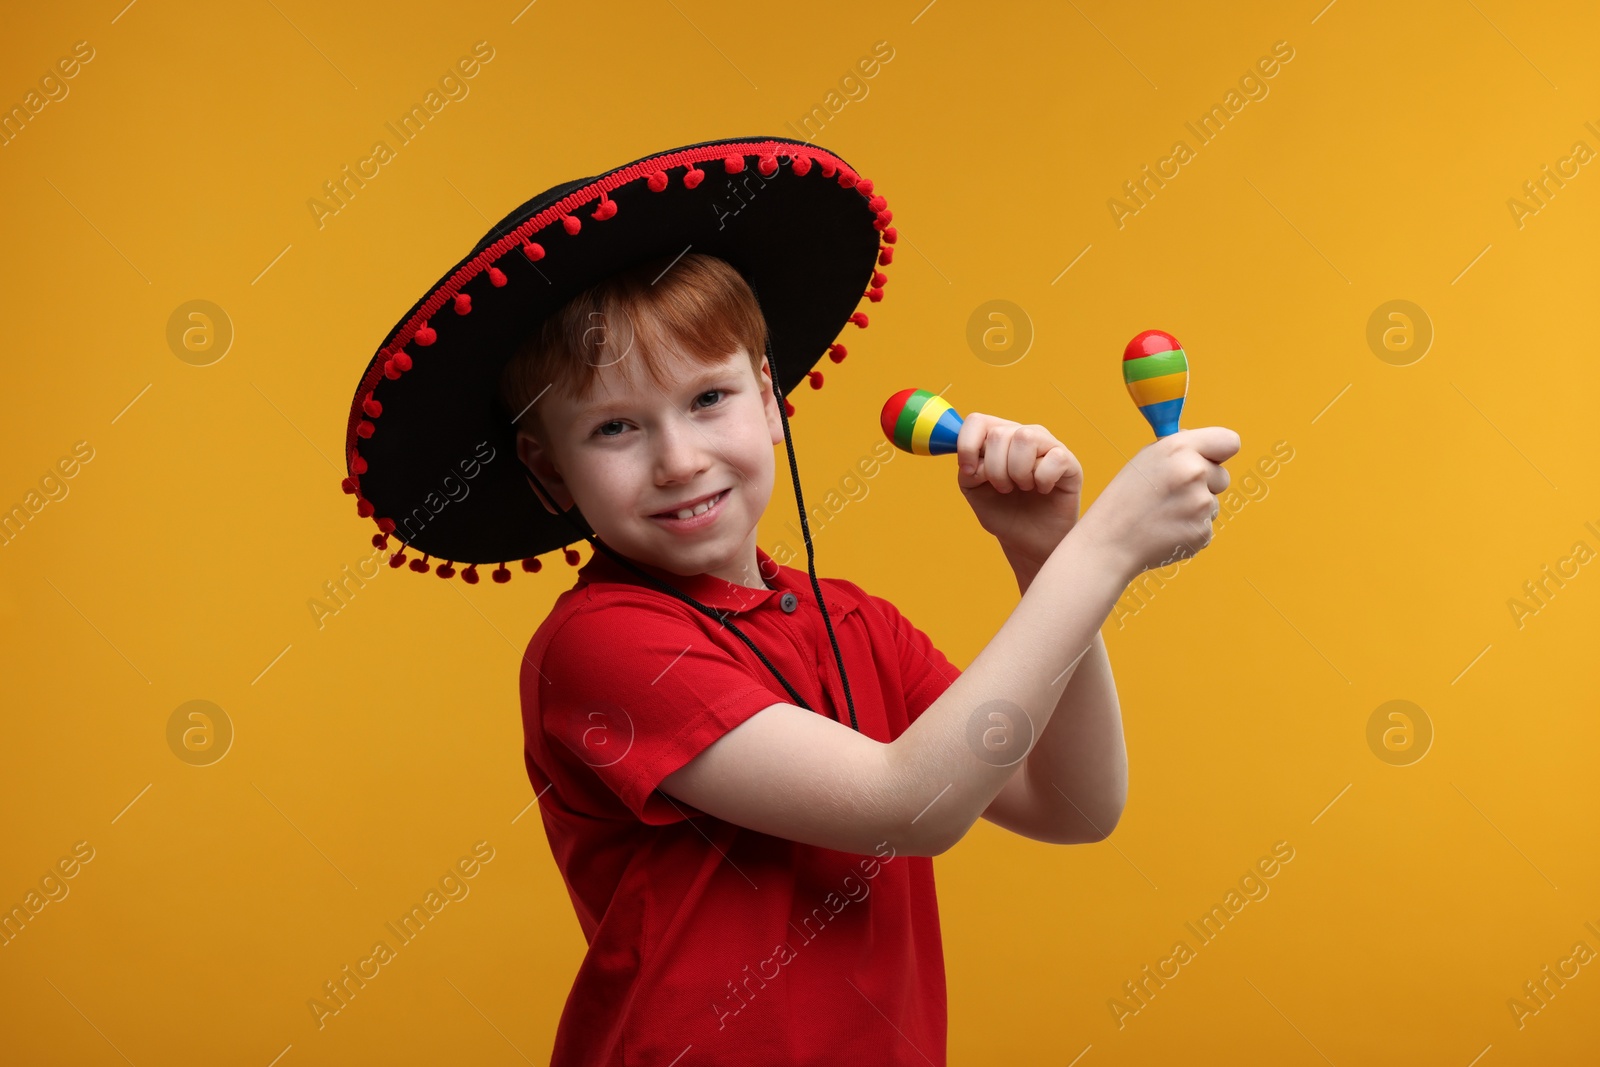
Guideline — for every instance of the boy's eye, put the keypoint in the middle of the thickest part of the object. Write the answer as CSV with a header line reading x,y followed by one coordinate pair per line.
x,y
600,431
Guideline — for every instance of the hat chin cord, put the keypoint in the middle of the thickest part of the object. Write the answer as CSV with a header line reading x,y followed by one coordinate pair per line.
x,y
722,617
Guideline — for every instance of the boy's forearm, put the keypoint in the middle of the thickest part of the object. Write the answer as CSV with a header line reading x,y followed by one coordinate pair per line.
x,y
1078,769
944,763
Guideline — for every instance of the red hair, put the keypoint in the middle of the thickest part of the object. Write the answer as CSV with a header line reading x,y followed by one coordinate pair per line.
x,y
699,302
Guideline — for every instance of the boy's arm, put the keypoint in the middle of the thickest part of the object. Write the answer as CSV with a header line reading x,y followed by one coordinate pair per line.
x,y
792,773
1073,785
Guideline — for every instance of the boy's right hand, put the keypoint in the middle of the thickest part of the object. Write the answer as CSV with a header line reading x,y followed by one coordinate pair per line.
x,y
1159,507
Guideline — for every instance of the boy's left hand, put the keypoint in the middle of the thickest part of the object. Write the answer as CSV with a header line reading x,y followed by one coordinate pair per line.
x,y
1022,483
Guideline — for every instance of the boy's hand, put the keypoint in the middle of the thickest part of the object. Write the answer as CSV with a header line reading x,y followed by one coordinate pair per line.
x,y
1160,506
1022,483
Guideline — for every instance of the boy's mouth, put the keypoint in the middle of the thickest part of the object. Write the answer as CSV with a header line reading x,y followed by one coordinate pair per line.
x,y
694,514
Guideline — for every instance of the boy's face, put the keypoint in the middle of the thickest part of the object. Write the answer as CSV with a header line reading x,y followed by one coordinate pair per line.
x,y
631,451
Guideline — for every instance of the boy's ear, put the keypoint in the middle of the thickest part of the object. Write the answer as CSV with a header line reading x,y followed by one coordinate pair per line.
x,y
533,455
770,402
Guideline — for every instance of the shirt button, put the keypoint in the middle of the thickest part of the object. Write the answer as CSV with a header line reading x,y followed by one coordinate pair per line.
x,y
789,602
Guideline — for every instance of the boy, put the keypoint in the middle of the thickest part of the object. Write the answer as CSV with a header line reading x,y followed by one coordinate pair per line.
x,y
752,872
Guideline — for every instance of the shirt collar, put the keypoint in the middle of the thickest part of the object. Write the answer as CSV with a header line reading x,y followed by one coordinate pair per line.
x,y
713,592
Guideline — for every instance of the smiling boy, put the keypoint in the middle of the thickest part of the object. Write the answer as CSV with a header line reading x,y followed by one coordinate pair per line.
x,y
744,770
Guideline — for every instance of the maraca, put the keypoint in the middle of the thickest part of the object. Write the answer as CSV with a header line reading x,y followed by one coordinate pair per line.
x,y
1157,375
920,422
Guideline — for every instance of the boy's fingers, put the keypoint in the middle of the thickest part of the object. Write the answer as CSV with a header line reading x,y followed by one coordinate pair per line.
x,y
1022,457
996,446
1056,469
1216,443
969,442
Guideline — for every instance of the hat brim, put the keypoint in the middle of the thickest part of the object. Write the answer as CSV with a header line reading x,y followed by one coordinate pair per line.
x,y
437,465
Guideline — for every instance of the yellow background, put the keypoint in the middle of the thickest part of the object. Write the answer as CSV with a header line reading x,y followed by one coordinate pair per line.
x,y
370,754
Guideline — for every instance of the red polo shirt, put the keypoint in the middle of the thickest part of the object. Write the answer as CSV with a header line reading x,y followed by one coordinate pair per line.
x,y
709,941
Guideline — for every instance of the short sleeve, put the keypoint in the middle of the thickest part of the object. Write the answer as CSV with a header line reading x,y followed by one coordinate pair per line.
x,y
924,670
636,691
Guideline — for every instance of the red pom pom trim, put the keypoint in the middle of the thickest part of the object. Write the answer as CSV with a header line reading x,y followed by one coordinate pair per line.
x,y
532,565
386,525
733,164
767,165
607,208
864,187
358,465
860,319
445,570
875,294
885,256
424,336
657,181
816,378
837,353
402,360
364,428
533,250
364,507
802,165
501,574
470,575
497,277
693,177
463,303
371,407
571,223
571,555
420,565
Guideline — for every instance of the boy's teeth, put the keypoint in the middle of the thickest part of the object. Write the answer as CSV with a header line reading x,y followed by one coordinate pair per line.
x,y
698,509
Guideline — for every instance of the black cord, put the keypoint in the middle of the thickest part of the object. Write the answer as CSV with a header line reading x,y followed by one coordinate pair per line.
x,y
722,617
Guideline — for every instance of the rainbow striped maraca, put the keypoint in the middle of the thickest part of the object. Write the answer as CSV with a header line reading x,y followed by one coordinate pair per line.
x,y
1157,375
920,422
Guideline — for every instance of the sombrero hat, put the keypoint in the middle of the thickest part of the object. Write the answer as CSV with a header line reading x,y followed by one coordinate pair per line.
x,y
430,451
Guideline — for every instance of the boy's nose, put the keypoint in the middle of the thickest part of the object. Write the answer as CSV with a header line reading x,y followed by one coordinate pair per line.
x,y
681,453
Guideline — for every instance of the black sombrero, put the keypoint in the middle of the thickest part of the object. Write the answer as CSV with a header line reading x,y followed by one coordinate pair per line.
x,y
431,455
